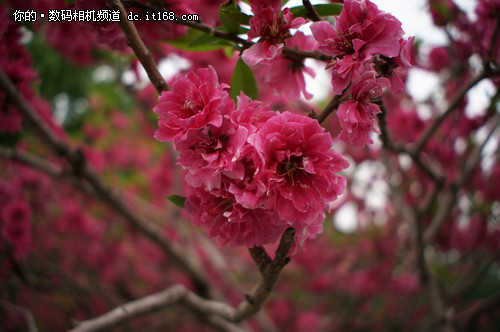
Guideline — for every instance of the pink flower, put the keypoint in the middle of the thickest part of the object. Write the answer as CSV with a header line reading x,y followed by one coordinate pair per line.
x,y
299,170
222,217
357,116
395,69
285,74
272,26
195,101
208,152
361,31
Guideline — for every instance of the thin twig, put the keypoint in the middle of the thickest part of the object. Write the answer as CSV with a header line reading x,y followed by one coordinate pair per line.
x,y
311,11
330,108
390,145
449,199
451,107
467,319
141,51
243,43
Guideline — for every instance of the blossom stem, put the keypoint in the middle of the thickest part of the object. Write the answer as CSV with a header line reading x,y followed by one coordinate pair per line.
x,y
311,12
330,108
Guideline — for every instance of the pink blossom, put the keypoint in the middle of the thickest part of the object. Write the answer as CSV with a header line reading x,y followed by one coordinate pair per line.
x,y
222,217
251,114
285,74
357,115
208,152
272,26
395,69
299,170
195,101
361,31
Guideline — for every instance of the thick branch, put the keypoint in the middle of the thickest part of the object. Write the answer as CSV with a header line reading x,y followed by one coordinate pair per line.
x,y
141,51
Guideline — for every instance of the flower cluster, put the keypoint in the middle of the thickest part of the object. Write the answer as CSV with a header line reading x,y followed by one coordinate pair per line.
x,y
369,56
272,26
251,172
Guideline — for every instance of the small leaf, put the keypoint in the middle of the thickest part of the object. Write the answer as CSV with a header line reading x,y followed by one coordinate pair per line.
x,y
185,42
243,80
206,39
177,200
228,14
329,9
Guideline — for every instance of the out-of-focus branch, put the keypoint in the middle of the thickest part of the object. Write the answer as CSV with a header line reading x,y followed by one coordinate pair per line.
x,y
449,198
417,148
173,295
28,316
411,217
462,287
390,145
467,319
218,314
84,171
141,51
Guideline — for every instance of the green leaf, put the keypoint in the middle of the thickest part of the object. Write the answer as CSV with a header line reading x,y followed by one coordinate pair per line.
x,y
329,9
206,39
177,200
186,42
243,80
231,17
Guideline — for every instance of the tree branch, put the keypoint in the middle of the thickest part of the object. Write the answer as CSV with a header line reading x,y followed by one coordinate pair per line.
x,y
141,51
449,199
233,38
268,278
330,108
468,318
84,171
150,303
311,11
28,316
451,107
